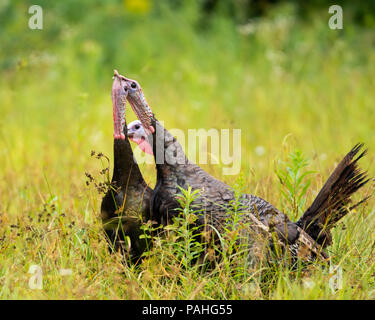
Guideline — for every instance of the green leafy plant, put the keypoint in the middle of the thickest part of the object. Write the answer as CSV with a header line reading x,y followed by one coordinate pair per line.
x,y
294,180
182,238
188,246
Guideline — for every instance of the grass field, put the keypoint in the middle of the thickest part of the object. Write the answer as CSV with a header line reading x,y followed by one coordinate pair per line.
x,y
288,83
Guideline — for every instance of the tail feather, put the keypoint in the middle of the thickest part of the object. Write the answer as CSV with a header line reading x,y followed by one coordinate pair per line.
x,y
332,202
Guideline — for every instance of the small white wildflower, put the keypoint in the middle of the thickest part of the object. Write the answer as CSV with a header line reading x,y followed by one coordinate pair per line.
x,y
65,272
260,151
308,284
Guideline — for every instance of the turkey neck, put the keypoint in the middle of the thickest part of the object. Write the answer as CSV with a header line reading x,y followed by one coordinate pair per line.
x,y
125,171
170,158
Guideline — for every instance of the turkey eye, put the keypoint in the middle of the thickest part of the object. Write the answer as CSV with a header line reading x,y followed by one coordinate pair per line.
x,y
133,85
137,126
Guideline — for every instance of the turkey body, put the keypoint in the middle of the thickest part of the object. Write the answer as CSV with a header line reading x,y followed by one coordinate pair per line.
x,y
304,238
127,203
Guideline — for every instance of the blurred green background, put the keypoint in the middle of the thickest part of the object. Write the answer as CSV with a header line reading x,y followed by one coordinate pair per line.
x,y
274,69
270,68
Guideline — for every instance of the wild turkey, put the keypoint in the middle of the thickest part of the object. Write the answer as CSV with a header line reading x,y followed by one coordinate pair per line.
x,y
128,199
305,238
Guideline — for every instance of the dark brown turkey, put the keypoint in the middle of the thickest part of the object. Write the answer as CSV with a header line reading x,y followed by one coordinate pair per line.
x,y
305,238
127,202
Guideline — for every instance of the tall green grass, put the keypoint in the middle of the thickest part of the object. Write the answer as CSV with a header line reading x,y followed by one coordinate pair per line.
x,y
277,76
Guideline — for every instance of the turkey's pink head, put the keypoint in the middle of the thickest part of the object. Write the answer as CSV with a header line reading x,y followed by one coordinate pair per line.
x,y
137,134
119,93
139,104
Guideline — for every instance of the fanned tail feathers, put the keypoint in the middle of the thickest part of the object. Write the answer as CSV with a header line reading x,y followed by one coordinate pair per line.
x,y
332,202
